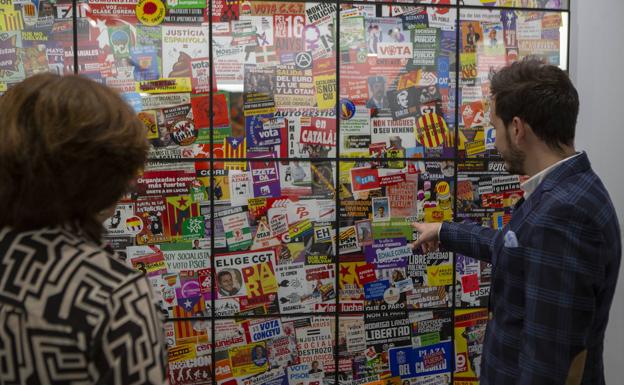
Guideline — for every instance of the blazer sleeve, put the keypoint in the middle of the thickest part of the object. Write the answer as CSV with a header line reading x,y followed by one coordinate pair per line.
x,y
471,240
563,265
132,339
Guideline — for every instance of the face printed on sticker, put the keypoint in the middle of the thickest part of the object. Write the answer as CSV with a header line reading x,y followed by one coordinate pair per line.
x,y
379,89
226,281
402,99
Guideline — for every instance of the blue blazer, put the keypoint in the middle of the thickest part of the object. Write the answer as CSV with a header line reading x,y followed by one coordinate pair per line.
x,y
555,268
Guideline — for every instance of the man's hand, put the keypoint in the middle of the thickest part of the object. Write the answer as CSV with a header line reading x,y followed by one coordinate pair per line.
x,y
427,237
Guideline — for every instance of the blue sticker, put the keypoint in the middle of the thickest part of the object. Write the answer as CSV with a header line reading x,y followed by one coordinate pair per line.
x,y
402,362
408,362
253,125
508,18
146,63
375,290
134,100
433,359
443,72
347,109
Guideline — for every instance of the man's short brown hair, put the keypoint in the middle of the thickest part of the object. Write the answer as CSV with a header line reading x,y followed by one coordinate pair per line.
x,y
68,149
540,94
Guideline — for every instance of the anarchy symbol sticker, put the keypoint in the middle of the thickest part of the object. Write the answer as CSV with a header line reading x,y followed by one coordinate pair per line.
x,y
303,60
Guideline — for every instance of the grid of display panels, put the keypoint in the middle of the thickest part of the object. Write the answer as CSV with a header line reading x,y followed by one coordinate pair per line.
x,y
292,144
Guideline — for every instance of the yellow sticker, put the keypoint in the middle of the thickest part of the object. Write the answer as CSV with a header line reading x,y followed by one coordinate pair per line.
x,y
431,130
434,214
440,275
325,91
150,120
164,85
181,353
475,147
443,188
150,12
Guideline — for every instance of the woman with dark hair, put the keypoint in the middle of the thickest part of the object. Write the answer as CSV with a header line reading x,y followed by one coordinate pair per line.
x,y
70,311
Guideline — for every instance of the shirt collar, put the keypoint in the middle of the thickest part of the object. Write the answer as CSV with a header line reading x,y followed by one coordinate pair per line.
x,y
531,184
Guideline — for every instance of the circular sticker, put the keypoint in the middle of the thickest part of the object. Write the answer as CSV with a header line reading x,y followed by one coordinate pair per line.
x,y
443,188
134,225
191,289
150,12
245,7
303,60
347,109
391,295
183,132
431,130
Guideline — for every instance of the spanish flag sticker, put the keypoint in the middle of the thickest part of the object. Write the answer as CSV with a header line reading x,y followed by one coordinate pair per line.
x,y
431,130
150,12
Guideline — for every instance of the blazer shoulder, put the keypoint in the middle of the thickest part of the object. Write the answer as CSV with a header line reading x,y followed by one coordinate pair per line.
x,y
582,198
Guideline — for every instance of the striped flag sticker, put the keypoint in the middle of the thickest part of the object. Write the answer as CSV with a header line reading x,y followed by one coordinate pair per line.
x,y
431,130
185,329
134,225
234,147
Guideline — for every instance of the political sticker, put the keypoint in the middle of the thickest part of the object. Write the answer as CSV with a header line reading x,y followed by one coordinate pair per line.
x,y
401,362
431,130
440,275
150,12
347,109
193,228
366,273
260,330
470,283
433,359
391,295
376,290
303,60
183,132
134,225
364,179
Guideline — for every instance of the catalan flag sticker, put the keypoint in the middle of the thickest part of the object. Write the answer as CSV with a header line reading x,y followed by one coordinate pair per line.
x,y
431,130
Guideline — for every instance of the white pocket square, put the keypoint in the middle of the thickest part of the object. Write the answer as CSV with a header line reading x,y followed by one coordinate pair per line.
x,y
510,239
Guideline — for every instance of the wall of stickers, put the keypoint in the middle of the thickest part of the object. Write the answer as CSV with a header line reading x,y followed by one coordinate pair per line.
x,y
292,144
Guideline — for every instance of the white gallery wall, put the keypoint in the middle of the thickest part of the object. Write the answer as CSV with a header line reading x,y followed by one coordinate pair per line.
x,y
597,70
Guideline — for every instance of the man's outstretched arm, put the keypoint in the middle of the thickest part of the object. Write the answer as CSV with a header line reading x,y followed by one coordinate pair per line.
x,y
468,239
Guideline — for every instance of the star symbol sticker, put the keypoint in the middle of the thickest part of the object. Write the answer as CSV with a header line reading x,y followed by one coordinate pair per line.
x,y
182,201
188,304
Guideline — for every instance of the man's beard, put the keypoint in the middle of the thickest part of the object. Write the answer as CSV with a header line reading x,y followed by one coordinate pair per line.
x,y
514,158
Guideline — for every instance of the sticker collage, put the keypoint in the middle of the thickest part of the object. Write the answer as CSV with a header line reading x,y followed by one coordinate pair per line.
x,y
292,144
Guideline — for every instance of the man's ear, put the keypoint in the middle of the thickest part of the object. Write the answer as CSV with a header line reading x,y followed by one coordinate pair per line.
x,y
518,130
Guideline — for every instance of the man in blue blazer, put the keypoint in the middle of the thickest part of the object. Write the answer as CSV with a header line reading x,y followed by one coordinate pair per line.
x,y
555,264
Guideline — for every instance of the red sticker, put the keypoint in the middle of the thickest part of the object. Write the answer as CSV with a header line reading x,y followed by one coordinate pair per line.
x,y
366,273
470,283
